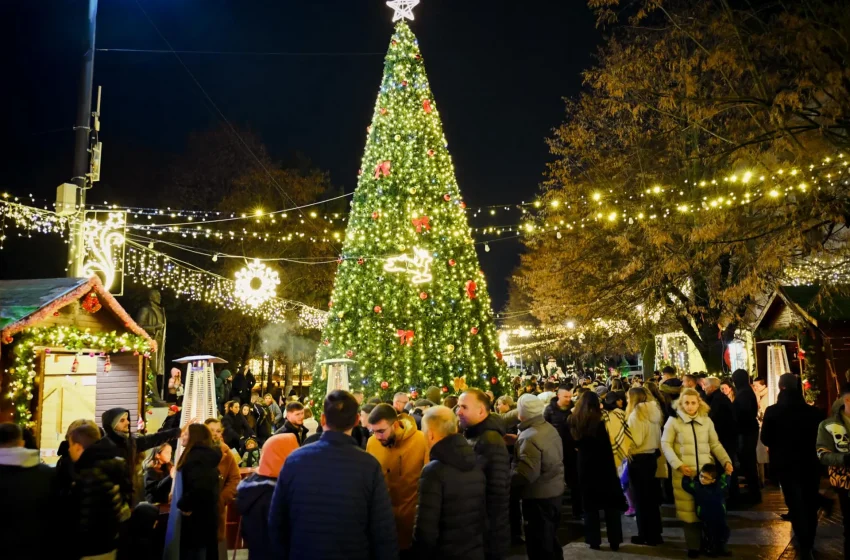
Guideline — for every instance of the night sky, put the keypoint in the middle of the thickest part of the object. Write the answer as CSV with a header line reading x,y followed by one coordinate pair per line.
x,y
498,70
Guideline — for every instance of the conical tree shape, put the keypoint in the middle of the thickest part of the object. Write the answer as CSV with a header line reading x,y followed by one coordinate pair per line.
x,y
423,319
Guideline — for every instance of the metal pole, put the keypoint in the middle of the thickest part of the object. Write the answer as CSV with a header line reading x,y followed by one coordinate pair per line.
x,y
82,140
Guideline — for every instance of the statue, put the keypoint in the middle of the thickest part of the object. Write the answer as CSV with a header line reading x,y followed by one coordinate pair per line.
x,y
151,317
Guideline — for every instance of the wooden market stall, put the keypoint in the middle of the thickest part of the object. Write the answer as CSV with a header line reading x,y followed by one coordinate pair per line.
x,y
814,327
68,350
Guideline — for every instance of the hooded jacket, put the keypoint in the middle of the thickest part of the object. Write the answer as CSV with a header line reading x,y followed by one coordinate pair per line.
x,y
722,413
491,456
130,445
451,510
236,428
692,442
222,386
746,404
30,493
401,464
790,432
538,471
98,499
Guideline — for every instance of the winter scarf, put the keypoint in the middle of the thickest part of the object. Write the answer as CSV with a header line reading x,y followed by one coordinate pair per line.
x,y
618,432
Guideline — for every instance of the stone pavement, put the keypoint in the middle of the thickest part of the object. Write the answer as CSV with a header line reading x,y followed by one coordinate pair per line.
x,y
757,533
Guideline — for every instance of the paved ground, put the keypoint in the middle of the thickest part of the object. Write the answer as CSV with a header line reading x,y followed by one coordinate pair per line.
x,y
757,533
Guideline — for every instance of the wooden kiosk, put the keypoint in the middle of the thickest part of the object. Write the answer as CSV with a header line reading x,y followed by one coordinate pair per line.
x,y
68,350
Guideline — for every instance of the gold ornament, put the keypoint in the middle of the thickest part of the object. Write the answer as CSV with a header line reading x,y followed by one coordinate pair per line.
x,y
412,190
450,348
460,384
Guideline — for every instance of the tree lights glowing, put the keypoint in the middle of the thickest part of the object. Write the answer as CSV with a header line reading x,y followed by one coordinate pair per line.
x,y
256,283
409,304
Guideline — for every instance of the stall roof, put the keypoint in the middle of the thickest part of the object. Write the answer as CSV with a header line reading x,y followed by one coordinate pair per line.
x,y
809,302
23,303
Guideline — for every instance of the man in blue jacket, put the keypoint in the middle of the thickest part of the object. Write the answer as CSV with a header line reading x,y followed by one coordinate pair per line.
x,y
332,483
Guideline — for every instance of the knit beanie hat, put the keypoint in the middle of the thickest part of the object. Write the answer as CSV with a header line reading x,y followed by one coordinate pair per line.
x,y
275,451
529,406
433,394
115,421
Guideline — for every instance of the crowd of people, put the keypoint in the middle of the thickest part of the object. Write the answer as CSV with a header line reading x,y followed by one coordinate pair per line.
x,y
458,476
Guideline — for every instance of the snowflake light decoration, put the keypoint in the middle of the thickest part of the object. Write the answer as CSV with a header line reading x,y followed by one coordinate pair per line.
x,y
256,283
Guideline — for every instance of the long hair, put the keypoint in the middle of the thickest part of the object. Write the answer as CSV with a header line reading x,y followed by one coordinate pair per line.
x,y
586,416
199,435
655,393
637,395
153,460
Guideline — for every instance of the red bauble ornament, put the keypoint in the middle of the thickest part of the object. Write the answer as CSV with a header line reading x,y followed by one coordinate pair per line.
x,y
447,197
360,260
326,342
349,353
378,309
384,385
423,295
452,262
426,105
404,83
463,205
359,172
494,380
445,389
383,110
55,313
498,355
394,42
375,215
431,153
807,384
473,330
471,288
91,303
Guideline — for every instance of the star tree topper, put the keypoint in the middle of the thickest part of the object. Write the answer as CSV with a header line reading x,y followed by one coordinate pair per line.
x,y
403,8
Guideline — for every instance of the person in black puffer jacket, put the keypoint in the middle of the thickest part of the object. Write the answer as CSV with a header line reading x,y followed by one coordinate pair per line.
x,y
198,500
98,494
558,414
235,425
451,510
486,432
746,411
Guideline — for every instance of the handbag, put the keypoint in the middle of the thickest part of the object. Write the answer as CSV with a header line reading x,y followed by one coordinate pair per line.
x,y
661,469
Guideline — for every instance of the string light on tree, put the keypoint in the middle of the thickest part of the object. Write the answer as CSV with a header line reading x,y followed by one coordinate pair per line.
x,y
408,223
256,283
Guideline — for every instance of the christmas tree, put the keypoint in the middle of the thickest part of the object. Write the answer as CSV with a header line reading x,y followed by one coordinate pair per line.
x,y
409,304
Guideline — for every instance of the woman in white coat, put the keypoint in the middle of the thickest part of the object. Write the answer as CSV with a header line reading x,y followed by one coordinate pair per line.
x,y
688,443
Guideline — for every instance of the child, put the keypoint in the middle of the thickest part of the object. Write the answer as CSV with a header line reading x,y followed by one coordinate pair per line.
x,y
251,457
709,496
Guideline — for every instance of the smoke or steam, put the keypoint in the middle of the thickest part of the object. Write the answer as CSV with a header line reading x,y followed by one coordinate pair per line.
x,y
277,338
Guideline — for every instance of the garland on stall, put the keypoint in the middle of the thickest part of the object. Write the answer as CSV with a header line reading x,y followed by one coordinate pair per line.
x,y
23,372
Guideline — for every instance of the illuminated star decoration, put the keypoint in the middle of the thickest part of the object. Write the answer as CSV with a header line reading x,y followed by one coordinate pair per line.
x,y
403,8
256,284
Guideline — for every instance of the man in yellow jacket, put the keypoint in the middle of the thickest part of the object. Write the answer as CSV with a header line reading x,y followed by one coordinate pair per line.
x,y
401,450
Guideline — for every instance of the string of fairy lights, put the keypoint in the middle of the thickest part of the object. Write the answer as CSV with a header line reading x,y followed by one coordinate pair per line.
x,y
157,227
